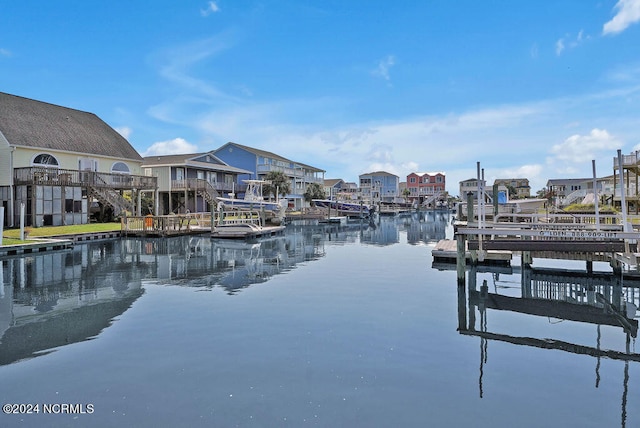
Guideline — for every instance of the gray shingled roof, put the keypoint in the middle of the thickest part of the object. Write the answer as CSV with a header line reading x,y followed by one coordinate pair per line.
x,y
264,153
31,123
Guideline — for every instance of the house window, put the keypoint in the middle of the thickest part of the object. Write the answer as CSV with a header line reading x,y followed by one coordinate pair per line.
x,y
45,159
120,168
412,180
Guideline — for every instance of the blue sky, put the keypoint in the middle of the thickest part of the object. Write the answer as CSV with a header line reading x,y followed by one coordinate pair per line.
x,y
534,89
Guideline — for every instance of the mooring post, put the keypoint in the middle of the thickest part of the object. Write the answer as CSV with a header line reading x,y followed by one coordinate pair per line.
x,y
461,258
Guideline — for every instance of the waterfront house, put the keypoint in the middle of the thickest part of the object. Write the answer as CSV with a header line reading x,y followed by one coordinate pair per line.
x,y
567,191
518,187
337,188
470,185
261,162
57,162
426,187
379,186
191,182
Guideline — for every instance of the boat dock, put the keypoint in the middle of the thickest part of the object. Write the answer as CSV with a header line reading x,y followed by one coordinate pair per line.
x,y
589,240
446,251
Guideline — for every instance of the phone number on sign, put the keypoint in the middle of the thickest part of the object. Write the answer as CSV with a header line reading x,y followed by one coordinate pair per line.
x,y
54,408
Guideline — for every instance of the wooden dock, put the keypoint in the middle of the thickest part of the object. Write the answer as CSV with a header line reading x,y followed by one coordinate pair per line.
x,y
446,251
35,246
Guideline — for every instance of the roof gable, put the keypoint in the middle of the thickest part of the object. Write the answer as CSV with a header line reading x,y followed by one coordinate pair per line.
x,y
30,123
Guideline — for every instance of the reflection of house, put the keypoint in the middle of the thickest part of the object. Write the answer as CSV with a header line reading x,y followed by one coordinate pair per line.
x,y
260,163
190,181
56,160
518,187
379,186
425,187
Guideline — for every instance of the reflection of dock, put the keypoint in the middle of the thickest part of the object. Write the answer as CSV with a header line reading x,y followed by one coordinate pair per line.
x,y
600,300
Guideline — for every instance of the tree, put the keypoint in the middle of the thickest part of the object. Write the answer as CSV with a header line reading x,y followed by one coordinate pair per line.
x,y
406,193
276,180
314,191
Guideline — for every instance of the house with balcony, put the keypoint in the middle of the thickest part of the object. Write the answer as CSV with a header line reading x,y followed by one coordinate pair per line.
x,y
425,188
57,162
471,185
380,186
261,162
518,187
338,189
626,173
191,182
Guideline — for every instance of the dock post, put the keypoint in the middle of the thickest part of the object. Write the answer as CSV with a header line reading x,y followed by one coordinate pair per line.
x,y
461,258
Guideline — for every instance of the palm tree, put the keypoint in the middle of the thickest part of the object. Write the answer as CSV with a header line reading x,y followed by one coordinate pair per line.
x,y
277,182
314,191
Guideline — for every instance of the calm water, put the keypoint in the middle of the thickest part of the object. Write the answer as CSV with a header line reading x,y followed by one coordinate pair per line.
x,y
326,326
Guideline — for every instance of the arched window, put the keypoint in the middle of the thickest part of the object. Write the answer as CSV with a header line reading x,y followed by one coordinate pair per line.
x,y
120,168
45,159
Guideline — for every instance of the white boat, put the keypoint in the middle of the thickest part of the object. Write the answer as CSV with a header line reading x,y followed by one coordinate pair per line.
x,y
239,223
346,208
253,200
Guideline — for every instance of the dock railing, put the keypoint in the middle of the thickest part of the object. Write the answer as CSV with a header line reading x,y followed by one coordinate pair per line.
x,y
166,224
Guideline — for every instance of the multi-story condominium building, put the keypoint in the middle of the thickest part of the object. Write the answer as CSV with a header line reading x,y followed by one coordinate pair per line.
x,y
191,182
56,162
261,162
379,186
426,187
519,186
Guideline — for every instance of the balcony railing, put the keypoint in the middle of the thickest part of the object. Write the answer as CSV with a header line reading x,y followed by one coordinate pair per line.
x,y
200,184
72,177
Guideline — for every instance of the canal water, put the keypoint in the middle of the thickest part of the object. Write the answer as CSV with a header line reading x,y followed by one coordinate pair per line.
x,y
326,326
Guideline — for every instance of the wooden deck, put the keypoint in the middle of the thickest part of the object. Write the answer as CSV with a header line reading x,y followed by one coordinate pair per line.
x,y
446,251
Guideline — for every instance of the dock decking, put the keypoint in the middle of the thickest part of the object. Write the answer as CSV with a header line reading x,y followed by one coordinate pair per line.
x,y
446,251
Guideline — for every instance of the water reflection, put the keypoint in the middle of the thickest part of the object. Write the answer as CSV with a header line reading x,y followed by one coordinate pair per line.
x,y
52,299
606,301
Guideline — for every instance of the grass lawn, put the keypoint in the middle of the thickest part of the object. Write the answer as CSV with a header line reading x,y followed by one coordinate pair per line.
x,y
12,236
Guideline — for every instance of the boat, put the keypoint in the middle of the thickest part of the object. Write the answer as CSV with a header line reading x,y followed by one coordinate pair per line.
x,y
274,211
243,224
349,209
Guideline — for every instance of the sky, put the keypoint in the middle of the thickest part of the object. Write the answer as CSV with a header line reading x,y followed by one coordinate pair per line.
x,y
527,89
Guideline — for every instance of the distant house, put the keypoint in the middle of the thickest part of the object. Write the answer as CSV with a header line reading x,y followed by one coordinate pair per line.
x,y
379,186
337,188
426,187
470,185
520,187
261,162
191,182
56,161
566,191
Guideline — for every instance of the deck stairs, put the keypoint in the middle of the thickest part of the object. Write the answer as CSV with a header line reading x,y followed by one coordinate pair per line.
x,y
112,197
206,191
574,197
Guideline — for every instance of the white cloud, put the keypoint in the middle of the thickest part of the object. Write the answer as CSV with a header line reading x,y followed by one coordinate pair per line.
x,y
5,52
569,42
212,7
559,47
583,148
627,13
384,66
125,131
172,147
